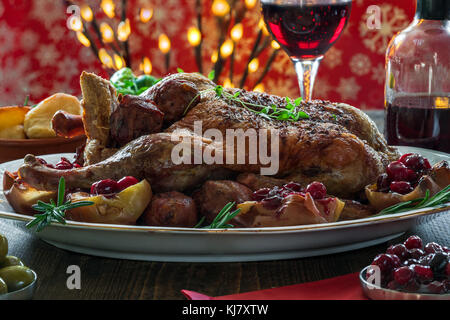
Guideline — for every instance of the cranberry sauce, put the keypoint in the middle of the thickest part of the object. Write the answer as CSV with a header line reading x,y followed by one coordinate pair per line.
x,y
109,187
402,176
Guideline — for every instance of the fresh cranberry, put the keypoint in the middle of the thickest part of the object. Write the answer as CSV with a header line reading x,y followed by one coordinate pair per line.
x,y
403,275
426,259
126,182
383,182
433,247
384,262
401,187
436,287
412,286
423,273
410,262
317,190
416,162
106,186
412,176
416,253
393,285
76,165
446,249
396,262
438,262
447,269
42,161
413,242
293,186
63,165
403,157
397,171
271,203
399,250
260,194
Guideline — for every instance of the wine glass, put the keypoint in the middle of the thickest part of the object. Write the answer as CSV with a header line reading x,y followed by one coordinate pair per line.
x,y
306,29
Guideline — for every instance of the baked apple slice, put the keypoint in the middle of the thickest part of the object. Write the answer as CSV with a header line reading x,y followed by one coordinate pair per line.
x,y
289,205
22,196
407,179
111,205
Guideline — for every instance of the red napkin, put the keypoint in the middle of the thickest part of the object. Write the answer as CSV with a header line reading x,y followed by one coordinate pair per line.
x,y
345,287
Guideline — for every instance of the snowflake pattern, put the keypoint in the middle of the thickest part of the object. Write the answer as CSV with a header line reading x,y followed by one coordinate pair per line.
x,y
47,54
360,64
348,88
378,74
333,58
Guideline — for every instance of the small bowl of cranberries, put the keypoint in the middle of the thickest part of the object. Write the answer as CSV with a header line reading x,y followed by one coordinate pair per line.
x,y
409,271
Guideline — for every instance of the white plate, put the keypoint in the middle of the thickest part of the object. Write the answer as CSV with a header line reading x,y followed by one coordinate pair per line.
x,y
199,245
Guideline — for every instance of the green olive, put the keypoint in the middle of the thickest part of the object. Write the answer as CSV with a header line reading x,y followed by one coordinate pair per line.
x,y
3,286
11,261
16,277
3,247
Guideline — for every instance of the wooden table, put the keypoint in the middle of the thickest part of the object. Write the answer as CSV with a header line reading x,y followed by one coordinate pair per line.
x,y
103,278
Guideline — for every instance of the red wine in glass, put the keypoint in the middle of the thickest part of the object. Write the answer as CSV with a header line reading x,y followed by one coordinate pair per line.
x,y
306,29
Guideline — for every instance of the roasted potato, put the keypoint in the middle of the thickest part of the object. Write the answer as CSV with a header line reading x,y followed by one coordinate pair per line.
x,y
171,209
38,122
124,207
11,122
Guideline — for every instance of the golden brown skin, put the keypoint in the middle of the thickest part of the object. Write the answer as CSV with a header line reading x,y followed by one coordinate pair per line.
x,y
338,146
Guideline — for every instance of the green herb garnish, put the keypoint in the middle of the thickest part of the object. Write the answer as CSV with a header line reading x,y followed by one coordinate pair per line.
x,y
211,75
222,219
126,82
440,198
27,98
288,113
52,212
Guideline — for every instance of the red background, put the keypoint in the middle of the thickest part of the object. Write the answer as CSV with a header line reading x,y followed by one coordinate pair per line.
x,y
39,55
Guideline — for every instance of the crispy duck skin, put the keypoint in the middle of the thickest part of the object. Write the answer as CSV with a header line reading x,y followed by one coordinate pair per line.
x,y
339,145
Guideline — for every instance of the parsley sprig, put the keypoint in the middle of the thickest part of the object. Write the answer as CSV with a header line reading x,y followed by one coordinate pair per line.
x,y
54,212
222,220
440,198
289,113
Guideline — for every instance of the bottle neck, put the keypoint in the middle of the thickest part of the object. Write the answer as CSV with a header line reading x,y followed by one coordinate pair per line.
x,y
433,9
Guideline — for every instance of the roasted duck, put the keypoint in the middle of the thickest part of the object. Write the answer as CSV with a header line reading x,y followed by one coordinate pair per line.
x,y
338,145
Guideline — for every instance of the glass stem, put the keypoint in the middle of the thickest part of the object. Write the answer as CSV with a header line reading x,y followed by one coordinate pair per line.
x,y
306,74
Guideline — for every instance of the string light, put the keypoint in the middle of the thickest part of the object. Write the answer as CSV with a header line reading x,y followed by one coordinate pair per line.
x,y
250,4
105,58
107,32
146,65
227,83
86,13
262,26
83,39
108,7
123,30
220,8
164,43
214,56
118,61
194,36
275,45
259,88
75,23
226,49
253,65
145,14
237,32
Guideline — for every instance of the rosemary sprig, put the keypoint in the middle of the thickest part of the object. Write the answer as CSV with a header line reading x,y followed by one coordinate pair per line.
x,y
288,113
54,212
222,219
440,198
